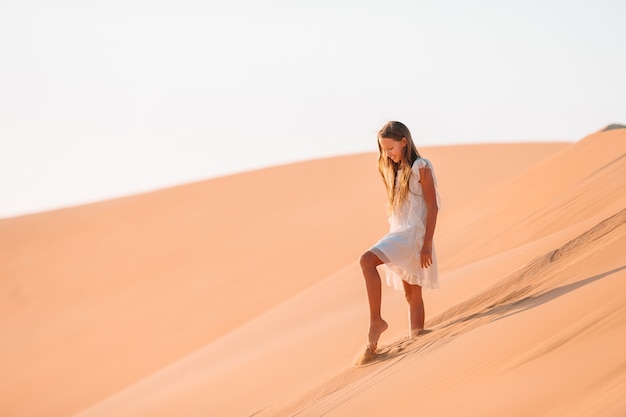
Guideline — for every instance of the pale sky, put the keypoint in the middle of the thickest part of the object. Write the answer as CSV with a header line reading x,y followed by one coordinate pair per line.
x,y
100,99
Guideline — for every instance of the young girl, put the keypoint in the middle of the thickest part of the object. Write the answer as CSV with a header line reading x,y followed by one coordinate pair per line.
x,y
406,253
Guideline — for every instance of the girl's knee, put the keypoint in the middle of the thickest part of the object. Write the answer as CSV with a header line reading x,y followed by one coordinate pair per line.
x,y
412,298
413,294
364,260
369,260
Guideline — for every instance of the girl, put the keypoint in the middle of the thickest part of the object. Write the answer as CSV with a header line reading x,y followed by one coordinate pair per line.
x,y
406,253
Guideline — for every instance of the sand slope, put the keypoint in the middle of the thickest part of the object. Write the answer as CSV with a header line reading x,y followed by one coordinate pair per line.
x,y
242,295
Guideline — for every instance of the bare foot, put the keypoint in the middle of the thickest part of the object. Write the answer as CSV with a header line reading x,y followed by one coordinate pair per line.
x,y
376,329
416,332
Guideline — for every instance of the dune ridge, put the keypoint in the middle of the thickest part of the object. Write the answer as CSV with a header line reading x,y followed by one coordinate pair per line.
x,y
561,191
532,270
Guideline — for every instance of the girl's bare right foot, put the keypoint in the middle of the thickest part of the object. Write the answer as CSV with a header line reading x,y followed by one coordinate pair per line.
x,y
416,332
376,329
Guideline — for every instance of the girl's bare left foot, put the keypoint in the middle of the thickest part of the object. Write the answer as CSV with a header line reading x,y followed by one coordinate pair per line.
x,y
376,329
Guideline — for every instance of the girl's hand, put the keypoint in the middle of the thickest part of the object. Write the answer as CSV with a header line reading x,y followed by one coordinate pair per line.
x,y
426,258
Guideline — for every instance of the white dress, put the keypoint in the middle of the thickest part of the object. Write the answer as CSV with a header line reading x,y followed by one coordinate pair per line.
x,y
400,249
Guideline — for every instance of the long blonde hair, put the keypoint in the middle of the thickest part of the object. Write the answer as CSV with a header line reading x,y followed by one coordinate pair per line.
x,y
396,193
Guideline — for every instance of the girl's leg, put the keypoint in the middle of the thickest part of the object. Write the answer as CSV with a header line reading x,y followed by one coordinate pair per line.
x,y
413,295
369,261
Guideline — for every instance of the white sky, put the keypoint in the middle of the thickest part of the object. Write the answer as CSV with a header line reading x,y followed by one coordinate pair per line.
x,y
106,98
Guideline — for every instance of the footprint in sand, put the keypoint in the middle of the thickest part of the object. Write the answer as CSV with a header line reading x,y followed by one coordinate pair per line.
x,y
386,352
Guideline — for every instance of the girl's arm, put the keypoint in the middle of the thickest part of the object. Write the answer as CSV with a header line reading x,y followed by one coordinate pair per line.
x,y
430,197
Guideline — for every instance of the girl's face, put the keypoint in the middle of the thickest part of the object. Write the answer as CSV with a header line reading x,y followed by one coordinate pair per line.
x,y
393,148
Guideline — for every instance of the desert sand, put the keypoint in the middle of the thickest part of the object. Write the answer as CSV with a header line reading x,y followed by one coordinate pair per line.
x,y
242,295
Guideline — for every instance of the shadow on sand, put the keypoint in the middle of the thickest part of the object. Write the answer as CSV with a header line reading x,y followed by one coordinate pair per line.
x,y
496,311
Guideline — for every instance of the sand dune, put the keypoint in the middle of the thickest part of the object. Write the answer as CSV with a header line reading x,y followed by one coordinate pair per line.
x,y
242,296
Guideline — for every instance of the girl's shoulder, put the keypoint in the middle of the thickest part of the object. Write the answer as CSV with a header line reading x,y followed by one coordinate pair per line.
x,y
422,163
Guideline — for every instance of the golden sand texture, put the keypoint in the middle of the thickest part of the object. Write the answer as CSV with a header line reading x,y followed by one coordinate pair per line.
x,y
242,295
